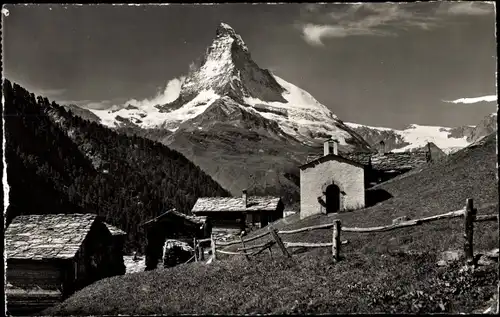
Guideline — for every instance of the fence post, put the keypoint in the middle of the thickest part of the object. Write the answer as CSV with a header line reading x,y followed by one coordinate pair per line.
x,y
469,215
201,249
195,250
336,240
212,243
243,244
277,238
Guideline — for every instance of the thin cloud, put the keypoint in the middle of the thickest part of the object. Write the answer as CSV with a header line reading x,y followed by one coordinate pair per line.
x,y
320,21
313,34
489,98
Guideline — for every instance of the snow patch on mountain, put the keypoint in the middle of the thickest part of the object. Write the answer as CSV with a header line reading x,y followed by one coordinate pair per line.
x,y
145,115
419,135
356,125
301,116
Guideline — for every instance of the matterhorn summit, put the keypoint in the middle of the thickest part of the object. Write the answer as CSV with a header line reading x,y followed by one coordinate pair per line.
x,y
227,69
227,77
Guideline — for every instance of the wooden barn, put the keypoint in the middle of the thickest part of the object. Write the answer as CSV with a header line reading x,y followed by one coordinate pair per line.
x,y
236,214
118,239
51,256
171,225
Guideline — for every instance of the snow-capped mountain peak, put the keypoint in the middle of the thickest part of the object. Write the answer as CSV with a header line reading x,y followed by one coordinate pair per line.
x,y
228,69
217,68
224,30
227,74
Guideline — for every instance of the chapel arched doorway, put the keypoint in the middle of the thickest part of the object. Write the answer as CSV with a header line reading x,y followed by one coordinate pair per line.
x,y
332,194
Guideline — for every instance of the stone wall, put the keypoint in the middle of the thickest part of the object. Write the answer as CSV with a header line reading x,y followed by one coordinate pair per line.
x,y
314,180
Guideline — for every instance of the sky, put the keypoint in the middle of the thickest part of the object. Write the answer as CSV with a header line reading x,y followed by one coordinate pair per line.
x,y
379,64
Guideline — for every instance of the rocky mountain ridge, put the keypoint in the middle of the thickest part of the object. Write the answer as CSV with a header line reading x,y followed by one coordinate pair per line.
x,y
416,136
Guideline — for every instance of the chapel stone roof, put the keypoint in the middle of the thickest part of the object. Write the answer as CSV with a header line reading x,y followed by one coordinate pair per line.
x,y
382,161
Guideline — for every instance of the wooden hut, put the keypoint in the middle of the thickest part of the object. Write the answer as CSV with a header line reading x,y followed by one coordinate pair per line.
x,y
236,214
171,225
51,256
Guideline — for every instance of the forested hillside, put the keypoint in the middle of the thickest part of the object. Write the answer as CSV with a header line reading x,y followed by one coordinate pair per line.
x,y
60,163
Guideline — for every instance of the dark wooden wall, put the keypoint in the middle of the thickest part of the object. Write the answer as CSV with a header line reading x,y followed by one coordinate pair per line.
x,y
27,274
66,275
169,228
116,252
228,220
93,260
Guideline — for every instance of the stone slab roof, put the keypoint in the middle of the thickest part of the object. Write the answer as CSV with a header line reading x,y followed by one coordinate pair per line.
x,y
382,162
47,236
115,231
199,220
358,157
235,204
313,160
399,161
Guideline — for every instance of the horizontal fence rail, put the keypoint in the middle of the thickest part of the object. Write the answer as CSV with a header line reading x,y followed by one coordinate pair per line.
x,y
469,213
310,245
409,223
256,246
491,217
230,252
225,244
324,226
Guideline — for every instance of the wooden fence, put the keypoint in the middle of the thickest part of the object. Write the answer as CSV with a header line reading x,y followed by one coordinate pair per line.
x,y
468,213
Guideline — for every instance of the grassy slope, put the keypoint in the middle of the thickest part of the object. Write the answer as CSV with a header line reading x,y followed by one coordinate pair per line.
x,y
378,272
